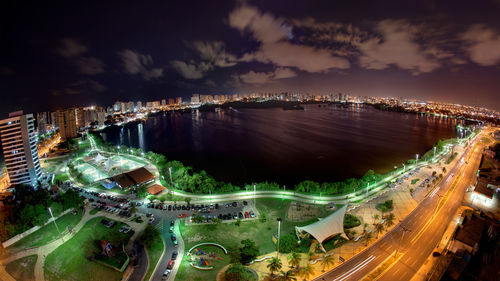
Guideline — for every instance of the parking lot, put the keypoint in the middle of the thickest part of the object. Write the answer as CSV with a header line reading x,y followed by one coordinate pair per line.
x,y
164,217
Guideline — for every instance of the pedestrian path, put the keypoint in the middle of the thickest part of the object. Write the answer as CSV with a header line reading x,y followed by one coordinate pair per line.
x,y
43,251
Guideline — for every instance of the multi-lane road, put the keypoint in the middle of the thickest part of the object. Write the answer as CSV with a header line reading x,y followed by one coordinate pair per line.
x,y
417,235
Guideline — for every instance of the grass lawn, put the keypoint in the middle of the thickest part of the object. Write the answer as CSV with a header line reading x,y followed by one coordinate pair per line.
x,y
154,253
229,235
414,181
69,263
49,232
62,177
94,211
23,268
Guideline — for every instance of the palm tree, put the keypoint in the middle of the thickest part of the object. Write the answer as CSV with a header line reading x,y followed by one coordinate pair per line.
x,y
376,217
294,259
379,228
306,271
368,236
310,255
327,261
287,276
389,219
317,248
274,265
365,226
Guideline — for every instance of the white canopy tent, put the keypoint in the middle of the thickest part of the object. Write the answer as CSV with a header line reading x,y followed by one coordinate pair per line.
x,y
110,163
98,158
325,228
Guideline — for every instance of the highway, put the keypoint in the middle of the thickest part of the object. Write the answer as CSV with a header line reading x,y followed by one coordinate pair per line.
x,y
417,235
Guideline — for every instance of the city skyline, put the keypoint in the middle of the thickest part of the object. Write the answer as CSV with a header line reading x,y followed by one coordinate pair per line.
x,y
430,51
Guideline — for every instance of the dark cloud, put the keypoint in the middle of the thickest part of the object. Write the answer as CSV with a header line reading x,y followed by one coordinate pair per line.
x,y
75,52
136,63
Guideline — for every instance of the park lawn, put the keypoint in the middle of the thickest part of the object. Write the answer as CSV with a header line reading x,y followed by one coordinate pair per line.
x,y
49,232
62,177
187,272
23,268
68,262
154,254
229,235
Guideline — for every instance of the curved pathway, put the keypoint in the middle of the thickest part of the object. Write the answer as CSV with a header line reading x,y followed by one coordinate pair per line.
x,y
43,251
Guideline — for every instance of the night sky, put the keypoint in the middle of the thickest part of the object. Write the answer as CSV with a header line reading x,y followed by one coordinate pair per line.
x,y
76,53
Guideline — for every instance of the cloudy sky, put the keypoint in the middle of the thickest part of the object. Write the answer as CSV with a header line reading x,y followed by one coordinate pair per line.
x,y
74,54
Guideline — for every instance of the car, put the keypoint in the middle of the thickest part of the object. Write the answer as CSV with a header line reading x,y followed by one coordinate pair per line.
x,y
247,215
217,206
235,204
252,214
164,207
176,243
172,223
240,215
165,274
149,215
219,216
174,255
170,264
245,203
151,220
235,216
171,230
169,207
172,236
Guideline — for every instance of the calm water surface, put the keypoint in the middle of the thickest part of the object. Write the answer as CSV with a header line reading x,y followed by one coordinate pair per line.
x,y
325,143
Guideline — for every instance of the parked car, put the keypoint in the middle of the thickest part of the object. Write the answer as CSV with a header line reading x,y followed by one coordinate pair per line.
x,y
170,264
252,214
174,255
165,274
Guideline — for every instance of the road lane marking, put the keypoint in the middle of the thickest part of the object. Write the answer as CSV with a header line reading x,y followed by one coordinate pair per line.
x,y
354,269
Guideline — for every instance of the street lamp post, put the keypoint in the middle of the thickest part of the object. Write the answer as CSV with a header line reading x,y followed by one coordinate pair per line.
x,y
367,188
279,232
254,194
404,168
170,172
416,160
54,220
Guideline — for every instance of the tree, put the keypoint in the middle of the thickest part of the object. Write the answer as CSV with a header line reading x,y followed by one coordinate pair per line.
x,y
376,217
389,220
379,228
294,259
274,265
249,251
368,237
288,242
306,271
188,200
238,222
71,199
327,261
310,255
149,235
236,272
287,276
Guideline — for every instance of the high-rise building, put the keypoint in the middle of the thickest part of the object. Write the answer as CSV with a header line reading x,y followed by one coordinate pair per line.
x,y
130,106
171,101
139,106
195,99
178,100
163,102
66,123
19,148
